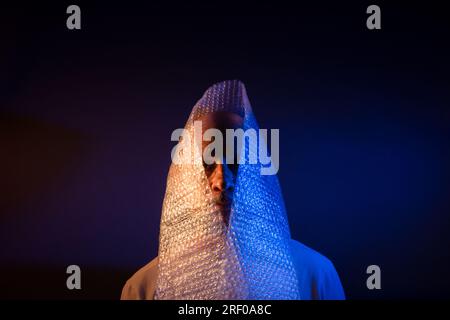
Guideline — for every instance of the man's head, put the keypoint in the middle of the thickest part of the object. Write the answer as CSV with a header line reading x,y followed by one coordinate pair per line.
x,y
220,173
198,257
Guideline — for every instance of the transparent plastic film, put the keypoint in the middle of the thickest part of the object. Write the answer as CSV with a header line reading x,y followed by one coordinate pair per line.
x,y
203,256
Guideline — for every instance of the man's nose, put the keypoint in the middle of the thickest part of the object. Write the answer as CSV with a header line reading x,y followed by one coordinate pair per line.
x,y
222,179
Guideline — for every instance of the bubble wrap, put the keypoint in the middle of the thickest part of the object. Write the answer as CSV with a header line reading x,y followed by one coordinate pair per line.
x,y
200,257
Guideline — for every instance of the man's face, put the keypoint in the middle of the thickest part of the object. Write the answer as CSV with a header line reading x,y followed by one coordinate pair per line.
x,y
221,175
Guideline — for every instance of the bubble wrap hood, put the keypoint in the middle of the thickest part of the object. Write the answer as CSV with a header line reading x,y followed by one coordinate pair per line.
x,y
200,257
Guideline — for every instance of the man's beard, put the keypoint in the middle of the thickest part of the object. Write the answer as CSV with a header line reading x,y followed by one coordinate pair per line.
x,y
222,206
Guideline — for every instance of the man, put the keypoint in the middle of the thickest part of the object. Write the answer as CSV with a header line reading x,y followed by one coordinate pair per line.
x,y
224,232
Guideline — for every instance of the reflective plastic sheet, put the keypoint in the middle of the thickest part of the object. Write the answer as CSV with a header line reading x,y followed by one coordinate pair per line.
x,y
200,256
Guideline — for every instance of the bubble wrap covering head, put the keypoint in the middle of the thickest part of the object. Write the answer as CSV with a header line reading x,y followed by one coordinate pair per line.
x,y
200,257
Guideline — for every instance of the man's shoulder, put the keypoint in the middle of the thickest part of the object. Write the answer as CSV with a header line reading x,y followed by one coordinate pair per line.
x,y
309,258
145,273
317,275
141,285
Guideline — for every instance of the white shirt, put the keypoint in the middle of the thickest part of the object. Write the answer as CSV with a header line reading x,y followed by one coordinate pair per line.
x,y
318,279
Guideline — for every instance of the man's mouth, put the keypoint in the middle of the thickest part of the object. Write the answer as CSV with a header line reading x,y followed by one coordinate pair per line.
x,y
224,205
223,201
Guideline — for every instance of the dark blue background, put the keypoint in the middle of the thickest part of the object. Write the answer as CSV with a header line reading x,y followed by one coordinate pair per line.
x,y
86,118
